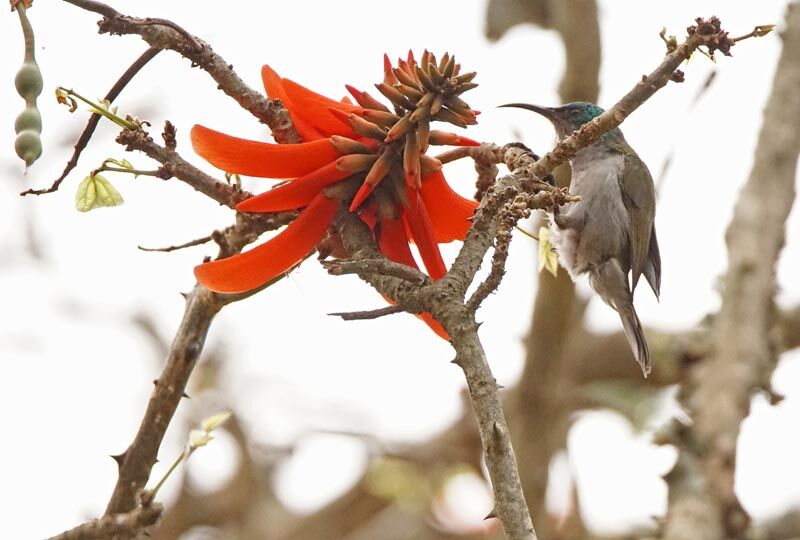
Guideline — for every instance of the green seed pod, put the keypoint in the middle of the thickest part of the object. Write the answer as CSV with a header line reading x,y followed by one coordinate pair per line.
x,y
29,80
29,119
28,146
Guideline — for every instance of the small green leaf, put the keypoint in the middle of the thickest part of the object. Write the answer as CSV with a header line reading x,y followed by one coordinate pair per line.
x,y
96,192
548,259
125,164
86,195
107,194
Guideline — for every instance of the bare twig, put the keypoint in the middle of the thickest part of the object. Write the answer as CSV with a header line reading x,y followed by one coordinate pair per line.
x,y
137,461
163,34
86,135
375,267
370,314
174,165
190,243
498,270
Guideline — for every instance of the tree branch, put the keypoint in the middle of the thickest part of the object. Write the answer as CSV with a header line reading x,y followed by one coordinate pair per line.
x,y
717,394
137,461
125,526
163,34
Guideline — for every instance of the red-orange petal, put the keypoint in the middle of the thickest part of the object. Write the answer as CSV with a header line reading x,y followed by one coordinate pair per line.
x,y
256,267
393,243
416,217
296,193
363,192
369,214
449,212
254,158
273,84
314,108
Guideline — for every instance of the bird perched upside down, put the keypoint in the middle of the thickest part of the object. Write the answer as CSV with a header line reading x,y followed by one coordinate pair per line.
x,y
609,234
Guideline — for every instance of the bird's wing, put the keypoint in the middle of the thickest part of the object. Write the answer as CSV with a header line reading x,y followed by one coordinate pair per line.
x,y
638,195
652,266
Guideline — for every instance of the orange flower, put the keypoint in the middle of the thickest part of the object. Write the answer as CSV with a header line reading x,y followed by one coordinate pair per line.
x,y
365,157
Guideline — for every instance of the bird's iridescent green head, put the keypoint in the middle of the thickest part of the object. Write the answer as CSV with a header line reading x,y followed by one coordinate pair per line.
x,y
566,118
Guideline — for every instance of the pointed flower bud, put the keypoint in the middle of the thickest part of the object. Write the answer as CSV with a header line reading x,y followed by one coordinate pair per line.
x,y
345,145
198,438
361,126
405,78
380,118
395,96
355,162
210,423
366,100
399,129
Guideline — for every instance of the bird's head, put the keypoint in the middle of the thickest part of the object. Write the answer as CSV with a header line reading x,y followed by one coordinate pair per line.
x,y
566,118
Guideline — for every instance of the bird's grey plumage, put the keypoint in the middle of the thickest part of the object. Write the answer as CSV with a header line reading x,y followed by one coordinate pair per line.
x,y
609,233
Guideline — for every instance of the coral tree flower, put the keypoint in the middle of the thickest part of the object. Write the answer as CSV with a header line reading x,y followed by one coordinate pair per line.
x,y
364,156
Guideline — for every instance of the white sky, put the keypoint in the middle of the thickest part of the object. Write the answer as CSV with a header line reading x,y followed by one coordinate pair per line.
x,y
76,377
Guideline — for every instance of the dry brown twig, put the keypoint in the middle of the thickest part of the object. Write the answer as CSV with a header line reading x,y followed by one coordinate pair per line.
x,y
444,298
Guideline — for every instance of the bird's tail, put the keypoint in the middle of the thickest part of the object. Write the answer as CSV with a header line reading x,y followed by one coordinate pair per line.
x,y
611,283
635,335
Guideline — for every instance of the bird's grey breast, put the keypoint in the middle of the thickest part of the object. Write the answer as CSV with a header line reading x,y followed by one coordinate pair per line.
x,y
596,226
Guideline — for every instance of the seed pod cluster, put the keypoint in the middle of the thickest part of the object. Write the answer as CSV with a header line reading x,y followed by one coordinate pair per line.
x,y
420,93
28,125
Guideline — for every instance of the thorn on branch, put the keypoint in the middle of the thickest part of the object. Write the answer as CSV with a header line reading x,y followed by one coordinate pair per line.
x,y
119,458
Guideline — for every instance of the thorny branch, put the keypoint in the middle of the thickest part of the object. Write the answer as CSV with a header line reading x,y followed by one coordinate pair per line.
x,y
201,305
443,299
125,526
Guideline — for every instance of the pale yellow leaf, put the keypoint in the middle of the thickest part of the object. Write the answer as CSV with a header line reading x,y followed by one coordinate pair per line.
x,y
548,259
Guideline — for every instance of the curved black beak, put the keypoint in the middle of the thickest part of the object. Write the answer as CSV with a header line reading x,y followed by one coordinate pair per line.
x,y
547,112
